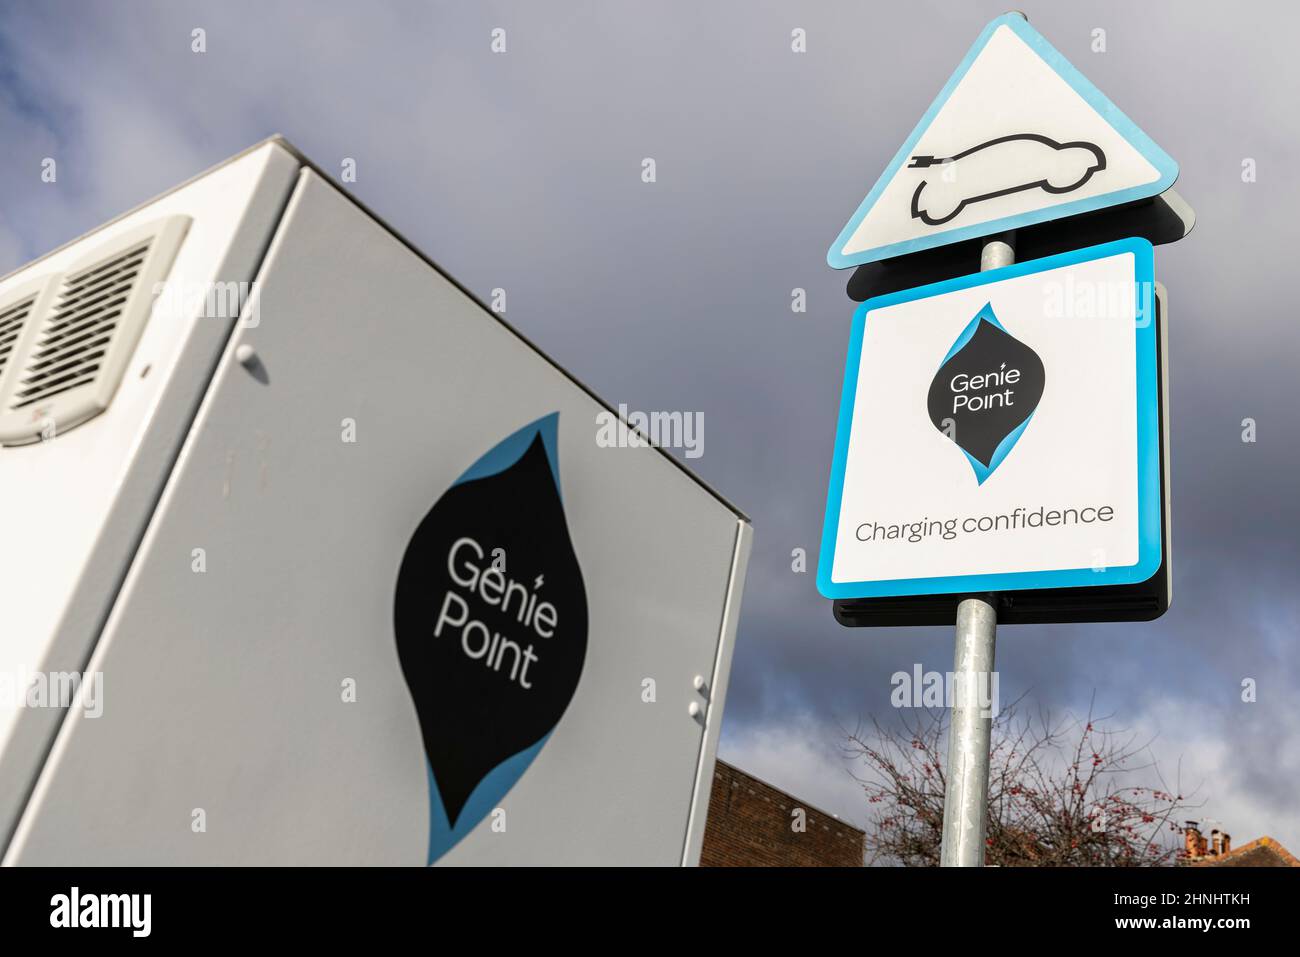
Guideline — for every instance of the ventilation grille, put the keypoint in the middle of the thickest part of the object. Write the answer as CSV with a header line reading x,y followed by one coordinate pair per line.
x,y
76,332
11,327
72,345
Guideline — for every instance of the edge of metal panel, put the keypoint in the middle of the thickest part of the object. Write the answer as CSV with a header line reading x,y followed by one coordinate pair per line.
x,y
717,694
328,179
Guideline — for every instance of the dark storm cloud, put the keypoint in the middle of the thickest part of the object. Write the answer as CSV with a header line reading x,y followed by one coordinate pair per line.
x,y
523,171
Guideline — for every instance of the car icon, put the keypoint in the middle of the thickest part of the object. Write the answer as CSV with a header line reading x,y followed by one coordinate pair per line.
x,y
1008,164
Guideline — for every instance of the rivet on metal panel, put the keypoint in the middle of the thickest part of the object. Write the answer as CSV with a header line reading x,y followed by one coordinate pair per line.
x,y
247,357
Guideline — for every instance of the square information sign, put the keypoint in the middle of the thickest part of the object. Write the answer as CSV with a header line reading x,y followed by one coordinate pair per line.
x,y
1000,433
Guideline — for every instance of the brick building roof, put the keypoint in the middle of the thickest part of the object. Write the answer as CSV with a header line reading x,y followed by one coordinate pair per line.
x,y
753,824
1264,852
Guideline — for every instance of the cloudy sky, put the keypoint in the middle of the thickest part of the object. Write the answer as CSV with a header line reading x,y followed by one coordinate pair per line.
x,y
522,170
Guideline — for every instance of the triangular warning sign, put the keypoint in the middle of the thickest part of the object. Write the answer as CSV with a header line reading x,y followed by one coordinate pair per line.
x,y
1017,136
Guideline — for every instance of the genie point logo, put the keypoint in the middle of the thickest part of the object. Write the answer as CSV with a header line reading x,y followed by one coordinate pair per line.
x,y
985,392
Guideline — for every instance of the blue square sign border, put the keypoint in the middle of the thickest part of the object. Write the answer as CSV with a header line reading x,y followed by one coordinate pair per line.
x,y
1150,515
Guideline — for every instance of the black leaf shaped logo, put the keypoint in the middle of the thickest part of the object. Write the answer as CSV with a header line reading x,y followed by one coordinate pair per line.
x,y
491,622
986,391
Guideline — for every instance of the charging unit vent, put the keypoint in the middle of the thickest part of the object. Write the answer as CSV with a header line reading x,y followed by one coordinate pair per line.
x,y
68,368
12,319
77,336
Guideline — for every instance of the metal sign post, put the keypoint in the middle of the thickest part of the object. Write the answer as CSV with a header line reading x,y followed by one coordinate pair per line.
x,y
966,796
970,725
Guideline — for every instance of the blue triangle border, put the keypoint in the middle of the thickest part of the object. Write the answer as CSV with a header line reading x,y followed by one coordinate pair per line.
x,y
1157,157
